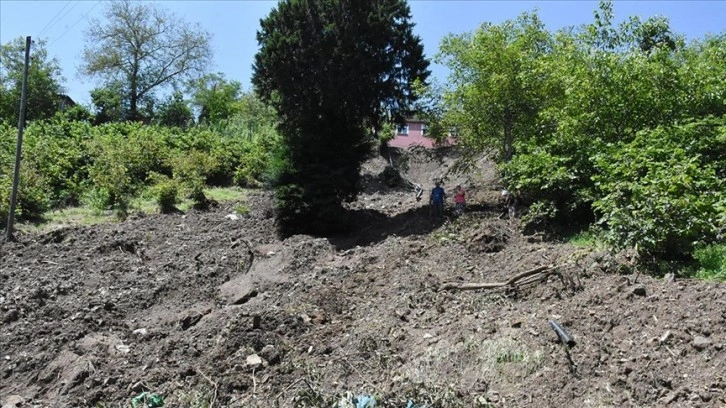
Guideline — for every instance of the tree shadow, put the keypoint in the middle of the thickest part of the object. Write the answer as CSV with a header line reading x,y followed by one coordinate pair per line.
x,y
371,226
372,184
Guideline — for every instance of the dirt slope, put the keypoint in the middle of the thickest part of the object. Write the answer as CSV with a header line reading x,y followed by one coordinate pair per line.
x,y
181,306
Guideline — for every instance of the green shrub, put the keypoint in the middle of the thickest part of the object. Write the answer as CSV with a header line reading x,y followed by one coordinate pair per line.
x,y
258,155
712,261
32,200
252,165
113,186
97,199
660,193
199,199
123,156
539,216
58,150
190,170
68,162
166,192
242,209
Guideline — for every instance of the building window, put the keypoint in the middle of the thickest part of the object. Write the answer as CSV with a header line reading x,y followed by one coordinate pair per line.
x,y
424,129
402,130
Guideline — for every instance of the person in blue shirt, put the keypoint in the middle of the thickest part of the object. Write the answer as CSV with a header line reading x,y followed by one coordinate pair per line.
x,y
437,199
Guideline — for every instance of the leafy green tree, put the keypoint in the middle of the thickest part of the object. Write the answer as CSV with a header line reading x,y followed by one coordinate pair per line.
x,y
497,80
76,113
329,67
44,80
255,112
145,48
621,123
214,97
602,88
108,104
175,112
703,76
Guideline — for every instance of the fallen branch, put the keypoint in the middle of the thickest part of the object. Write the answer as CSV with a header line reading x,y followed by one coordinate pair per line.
x,y
362,376
517,280
530,272
212,383
471,286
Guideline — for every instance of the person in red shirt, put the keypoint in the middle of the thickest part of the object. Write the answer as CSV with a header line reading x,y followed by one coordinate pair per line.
x,y
459,200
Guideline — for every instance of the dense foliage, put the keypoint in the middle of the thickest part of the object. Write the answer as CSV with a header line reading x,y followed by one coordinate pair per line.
x,y
675,174
617,125
331,69
67,162
44,79
141,48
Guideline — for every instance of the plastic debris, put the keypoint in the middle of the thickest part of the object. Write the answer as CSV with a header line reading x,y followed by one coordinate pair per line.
x,y
147,400
365,401
360,401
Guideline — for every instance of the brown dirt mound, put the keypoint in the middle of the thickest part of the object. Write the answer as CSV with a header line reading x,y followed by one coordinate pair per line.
x,y
203,308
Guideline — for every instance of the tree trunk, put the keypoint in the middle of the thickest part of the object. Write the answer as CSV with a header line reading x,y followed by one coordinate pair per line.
x,y
133,110
134,94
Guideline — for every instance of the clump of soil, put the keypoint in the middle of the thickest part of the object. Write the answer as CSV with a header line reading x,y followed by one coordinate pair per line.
x,y
208,308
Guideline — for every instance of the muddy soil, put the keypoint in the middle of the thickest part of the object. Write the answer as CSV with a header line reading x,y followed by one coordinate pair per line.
x,y
212,309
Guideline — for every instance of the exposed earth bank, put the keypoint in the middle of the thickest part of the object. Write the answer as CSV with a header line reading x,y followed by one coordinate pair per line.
x,y
211,309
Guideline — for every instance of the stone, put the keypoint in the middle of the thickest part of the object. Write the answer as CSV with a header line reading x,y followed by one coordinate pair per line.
x,y
190,320
138,386
700,343
243,297
123,348
267,350
254,361
141,332
13,401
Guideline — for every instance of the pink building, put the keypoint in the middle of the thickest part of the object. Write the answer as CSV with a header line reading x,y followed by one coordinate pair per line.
x,y
413,133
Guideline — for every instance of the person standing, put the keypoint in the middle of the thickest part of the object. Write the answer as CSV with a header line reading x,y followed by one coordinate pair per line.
x,y
437,199
459,200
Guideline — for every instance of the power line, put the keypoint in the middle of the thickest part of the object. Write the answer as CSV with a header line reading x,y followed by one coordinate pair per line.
x,y
54,17
74,24
64,15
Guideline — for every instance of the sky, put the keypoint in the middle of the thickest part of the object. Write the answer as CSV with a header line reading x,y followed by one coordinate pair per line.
x,y
234,23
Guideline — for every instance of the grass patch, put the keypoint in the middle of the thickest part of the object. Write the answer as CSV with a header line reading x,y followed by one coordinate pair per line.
x,y
586,239
711,261
145,203
223,194
474,358
67,217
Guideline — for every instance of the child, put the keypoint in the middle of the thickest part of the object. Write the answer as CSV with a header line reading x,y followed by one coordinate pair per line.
x,y
459,200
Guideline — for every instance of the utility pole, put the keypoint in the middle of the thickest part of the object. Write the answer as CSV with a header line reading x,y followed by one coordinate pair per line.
x,y
19,147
